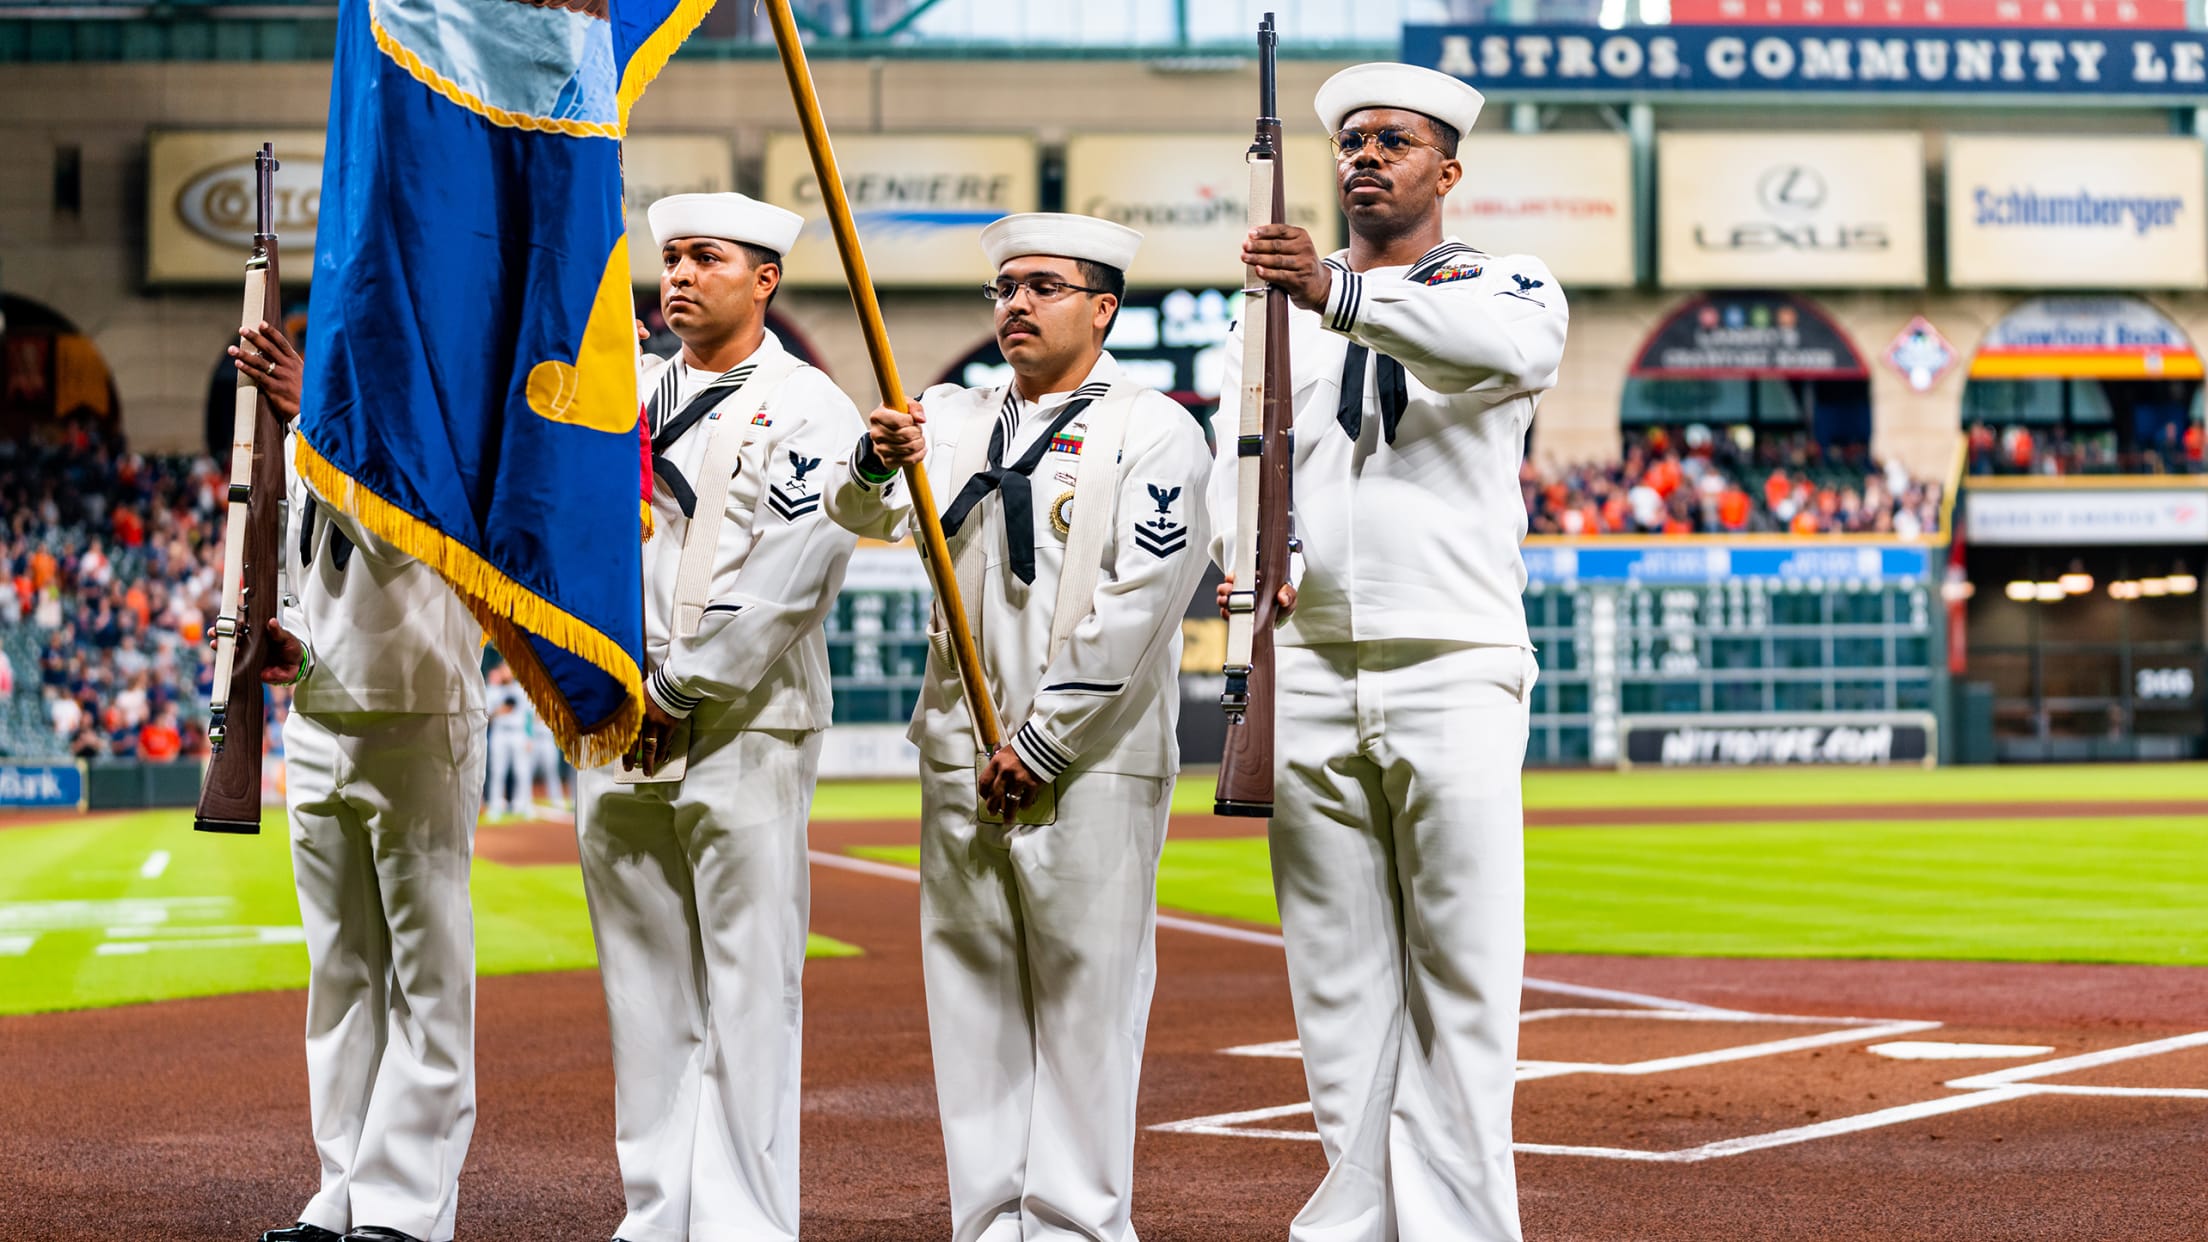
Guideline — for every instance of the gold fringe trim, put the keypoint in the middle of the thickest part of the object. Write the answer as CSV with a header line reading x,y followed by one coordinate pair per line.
x,y
507,611
405,58
650,527
648,60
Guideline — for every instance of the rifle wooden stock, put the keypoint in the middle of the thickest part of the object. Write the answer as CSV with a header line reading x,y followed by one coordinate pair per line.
x,y
935,555
1265,447
230,797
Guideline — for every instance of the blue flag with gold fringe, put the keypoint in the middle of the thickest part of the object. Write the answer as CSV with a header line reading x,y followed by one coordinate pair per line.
x,y
471,355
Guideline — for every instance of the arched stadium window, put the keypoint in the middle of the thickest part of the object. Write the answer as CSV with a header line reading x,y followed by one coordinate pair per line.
x,y
2084,385
52,377
1758,368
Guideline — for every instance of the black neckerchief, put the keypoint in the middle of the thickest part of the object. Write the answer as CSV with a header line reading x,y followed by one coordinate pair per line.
x,y
1012,481
668,430
1392,388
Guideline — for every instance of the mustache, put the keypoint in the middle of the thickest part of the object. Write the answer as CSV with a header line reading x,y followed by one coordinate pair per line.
x,y
1017,324
1366,176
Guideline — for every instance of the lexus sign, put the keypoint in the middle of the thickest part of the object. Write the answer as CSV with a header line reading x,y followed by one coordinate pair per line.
x,y
1791,210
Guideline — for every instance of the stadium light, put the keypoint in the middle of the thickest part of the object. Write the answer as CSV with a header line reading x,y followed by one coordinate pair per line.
x,y
2154,587
2122,589
2076,582
2019,591
2182,583
1960,589
2049,592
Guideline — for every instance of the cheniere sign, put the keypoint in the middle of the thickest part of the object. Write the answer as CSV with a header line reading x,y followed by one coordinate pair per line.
x,y
1531,60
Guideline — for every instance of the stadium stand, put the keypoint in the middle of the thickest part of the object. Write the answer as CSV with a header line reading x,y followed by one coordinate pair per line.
x,y
1676,481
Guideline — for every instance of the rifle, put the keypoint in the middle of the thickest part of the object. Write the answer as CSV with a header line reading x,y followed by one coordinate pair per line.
x,y
1265,447
230,797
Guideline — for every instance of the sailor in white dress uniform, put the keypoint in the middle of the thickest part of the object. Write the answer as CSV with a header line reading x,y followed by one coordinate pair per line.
x,y
1404,671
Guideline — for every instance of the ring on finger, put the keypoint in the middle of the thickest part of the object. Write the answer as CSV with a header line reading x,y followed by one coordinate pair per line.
x,y
272,368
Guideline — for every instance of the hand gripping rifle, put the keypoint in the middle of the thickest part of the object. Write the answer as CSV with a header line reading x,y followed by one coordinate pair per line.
x,y
230,799
1263,447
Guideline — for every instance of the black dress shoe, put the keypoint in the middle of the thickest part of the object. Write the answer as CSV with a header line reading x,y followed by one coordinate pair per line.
x,y
302,1232
377,1233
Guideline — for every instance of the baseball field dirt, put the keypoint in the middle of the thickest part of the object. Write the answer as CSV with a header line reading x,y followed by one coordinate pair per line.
x,y
1661,1099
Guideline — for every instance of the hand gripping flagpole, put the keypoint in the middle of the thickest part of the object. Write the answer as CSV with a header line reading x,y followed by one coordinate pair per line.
x,y
934,552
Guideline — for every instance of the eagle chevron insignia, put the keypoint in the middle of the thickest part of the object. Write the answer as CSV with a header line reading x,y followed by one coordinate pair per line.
x,y
1161,536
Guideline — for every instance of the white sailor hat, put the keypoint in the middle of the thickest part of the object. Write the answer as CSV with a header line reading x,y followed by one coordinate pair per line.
x,y
730,217
1060,235
1385,84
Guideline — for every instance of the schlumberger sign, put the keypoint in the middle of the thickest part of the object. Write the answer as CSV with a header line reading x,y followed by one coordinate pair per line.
x,y
1549,59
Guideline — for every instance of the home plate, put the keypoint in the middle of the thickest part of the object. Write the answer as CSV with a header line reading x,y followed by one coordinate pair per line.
x,y
1931,1050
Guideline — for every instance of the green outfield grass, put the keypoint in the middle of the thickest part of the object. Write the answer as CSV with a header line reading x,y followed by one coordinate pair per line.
x,y
2102,890
76,904
1835,788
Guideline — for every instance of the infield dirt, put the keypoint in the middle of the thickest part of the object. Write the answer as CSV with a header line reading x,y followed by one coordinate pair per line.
x,y
187,1120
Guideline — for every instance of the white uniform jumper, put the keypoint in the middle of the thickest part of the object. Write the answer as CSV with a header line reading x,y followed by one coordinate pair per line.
x,y
384,776
1037,940
1404,678
698,886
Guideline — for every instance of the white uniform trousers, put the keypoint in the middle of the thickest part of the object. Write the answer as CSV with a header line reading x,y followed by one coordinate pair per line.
x,y
699,898
510,764
383,808
1038,951
1398,847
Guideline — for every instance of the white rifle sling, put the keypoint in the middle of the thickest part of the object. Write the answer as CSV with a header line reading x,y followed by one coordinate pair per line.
x,y
972,556
228,623
1249,465
725,444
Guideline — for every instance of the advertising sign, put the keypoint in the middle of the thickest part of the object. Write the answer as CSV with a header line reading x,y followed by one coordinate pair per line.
x,y
2038,516
1556,561
1766,740
2086,338
1747,336
2076,213
920,202
42,785
2064,14
1186,194
654,166
1799,210
199,202
1557,60
1566,198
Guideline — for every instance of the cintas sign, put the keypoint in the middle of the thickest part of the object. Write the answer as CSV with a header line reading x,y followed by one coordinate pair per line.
x,y
1791,210
2139,65
200,202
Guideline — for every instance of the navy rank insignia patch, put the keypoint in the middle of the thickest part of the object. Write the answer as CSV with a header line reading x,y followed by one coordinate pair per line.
x,y
796,499
1455,271
1162,536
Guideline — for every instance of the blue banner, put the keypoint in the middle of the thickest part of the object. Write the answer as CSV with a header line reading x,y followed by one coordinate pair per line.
x,y
471,384
2162,65
1698,563
58,785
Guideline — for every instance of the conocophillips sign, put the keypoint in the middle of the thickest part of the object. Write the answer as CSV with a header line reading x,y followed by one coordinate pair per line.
x,y
199,202
1188,193
920,202
1790,210
2144,65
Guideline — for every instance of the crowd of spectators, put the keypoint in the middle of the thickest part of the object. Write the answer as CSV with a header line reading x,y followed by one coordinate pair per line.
x,y
1678,481
114,574
2055,450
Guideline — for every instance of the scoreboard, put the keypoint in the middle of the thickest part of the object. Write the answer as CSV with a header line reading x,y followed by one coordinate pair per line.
x,y
1673,633
1651,651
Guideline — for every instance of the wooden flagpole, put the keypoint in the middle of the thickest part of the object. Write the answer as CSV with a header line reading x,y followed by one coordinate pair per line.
x,y
934,553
